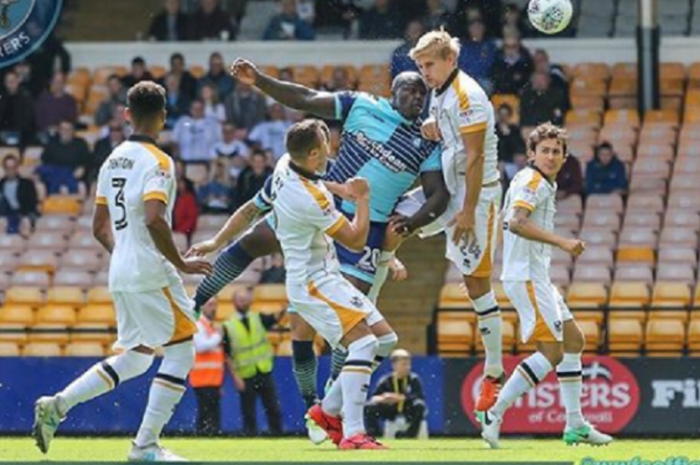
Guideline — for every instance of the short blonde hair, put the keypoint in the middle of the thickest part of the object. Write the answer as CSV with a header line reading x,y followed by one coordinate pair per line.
x,y
547,131
437,43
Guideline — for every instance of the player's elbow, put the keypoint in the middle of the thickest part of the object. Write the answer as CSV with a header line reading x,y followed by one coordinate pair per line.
x,y
357,241
516,226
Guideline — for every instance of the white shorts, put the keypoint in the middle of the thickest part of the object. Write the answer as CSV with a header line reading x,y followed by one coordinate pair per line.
x,y
409,205
332,306
153,318
541,309
475,259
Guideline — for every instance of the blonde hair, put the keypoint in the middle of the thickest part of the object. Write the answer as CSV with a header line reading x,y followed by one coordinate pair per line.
x,y
547,131
436,43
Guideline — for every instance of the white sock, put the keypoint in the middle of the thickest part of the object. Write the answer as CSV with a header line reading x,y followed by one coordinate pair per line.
x,y
167,389
385,346
570,388
103,377
354,380
489,321
531,371
380,275
332,403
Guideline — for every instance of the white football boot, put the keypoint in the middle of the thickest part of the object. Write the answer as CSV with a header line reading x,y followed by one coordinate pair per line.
x,y
47,417
153,453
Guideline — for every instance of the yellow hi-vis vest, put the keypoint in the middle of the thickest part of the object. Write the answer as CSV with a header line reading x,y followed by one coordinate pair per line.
x,y
251,350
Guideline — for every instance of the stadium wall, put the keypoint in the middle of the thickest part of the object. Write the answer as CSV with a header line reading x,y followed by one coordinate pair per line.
x,y
357,53
638,396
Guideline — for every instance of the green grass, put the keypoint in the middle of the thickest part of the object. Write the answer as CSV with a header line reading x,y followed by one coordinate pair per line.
x,y
300,450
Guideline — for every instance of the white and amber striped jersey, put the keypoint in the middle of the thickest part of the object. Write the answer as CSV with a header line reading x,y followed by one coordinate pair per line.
x,y
523,259
304,217
461,106
136,171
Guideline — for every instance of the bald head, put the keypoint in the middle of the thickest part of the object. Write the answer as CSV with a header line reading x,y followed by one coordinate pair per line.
x,y
408,94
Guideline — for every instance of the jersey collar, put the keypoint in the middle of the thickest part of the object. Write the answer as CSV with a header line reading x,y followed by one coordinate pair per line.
x,y
142,139
440,90
544,176
303,173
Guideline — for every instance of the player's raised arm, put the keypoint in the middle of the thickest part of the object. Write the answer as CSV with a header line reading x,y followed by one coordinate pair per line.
x,y
319,103
354,234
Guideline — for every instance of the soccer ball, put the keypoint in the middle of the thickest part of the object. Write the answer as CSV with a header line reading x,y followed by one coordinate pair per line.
x,y
550,16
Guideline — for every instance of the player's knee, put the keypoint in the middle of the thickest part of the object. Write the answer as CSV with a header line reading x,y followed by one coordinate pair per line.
x,y
387,342
178,359
574,339
130,364
260,242
477,287
553,352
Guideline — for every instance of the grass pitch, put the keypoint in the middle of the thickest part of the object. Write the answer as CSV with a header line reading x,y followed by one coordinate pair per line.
x,y
300,450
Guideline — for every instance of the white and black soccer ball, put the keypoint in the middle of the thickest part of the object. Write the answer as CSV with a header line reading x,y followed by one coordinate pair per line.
x,y
550,16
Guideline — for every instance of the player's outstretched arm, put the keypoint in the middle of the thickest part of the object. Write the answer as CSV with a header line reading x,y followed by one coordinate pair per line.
x,y
237,223
319,103
101,228
353,235
437,199
162,236
521,225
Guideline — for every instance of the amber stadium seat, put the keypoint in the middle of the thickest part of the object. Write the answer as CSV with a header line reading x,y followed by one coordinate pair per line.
x,y
455,332
31,296
16,314
665,338
587,295
42,349
628,300
99,295
49,332
625,337
9,349
452,296
84,349
38,260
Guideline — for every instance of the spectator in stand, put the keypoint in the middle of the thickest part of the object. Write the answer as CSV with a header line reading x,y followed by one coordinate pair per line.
x,y
213,108
340,80
437,16
288,25
478,54
65,161
218,76
398,394
18,197
513,66
382,21
519,162
16,113
276,273
570,179
116,97
44,62
540,102
103,148
252,178
185,211
488,11
245,107
556,73
232,144
197,135
337,15
270,134
170,24
400,61
606,174
139,72
514,21
188,83
178,103
216,196
24,72
510,141
55,105
210,22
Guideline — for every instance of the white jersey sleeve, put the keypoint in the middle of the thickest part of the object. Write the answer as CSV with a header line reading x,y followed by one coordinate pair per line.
x,y
470,115
158,183
531,194
322,212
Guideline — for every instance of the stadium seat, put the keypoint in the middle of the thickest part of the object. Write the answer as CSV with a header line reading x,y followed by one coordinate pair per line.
x,y
9,262
694,337
586,272
637,273
570,205
375,79
65,295
648,185
592,70
83,260
93,332
671,294
49,332
37,279
12,243
665,338
679,236
306,75
58,314
661,116
81,279
625,336
226,294
97,313
224,311
102,279
682,219
16,314
635,254
84,349
61,205
642,220
586,102
588,87
24,295
9,349
592,333
83,240
583,116
678,256
638,237
99,295
628,118
452,296
611,203
651,168
598,256
629,295
587,295
600,219
41,349
455,333
645,203
58,224
327,73
38,260
13,332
